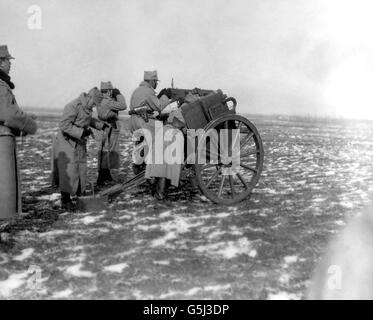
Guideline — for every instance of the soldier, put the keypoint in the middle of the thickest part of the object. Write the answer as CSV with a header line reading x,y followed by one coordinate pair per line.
x,y
70,147
13,122
145,95
108,152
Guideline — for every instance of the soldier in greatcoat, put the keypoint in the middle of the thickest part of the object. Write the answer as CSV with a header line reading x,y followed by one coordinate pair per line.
x,y
164,173
13,122
70,146
108,151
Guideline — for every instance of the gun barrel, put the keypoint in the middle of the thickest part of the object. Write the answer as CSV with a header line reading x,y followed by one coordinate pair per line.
x,y
177,94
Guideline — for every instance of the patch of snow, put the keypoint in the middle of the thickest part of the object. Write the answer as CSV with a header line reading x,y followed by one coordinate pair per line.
x,y
193,291
50,197
3,259
27,171
229,249
223,215
125,216
217,287
127,253
347,204
301,182
90,219
267,191
340,223
165,214
162,262
62,294
162,241
116,267
283,296
170,294
76,271
206,229
236,232
215,234
290,259
173,228
26,253
201,197
14,281
276,225
262,214
253,253
180,225
53,233
329,173
134,201
143,227
285,278
140,296
319,199
99,230
254,229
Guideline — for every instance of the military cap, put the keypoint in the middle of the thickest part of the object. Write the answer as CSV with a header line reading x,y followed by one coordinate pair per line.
x,y
4,52
151,75
96,95
106,85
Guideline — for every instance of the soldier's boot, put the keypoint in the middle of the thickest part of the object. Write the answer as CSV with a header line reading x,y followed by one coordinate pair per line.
x,y
104,176
66,202
137,168
160,189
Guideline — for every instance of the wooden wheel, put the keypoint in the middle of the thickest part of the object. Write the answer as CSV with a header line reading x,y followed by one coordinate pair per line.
x,y
218,179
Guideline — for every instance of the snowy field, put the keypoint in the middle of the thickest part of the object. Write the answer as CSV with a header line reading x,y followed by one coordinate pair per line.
x,y
316,175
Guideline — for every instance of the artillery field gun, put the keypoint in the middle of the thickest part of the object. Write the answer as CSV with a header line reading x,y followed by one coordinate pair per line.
x,y
215,110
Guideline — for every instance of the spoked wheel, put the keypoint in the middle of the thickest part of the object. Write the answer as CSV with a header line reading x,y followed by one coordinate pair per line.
x,y
229,180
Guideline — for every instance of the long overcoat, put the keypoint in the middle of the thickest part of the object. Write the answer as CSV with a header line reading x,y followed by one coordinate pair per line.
x,y
108,149
13,122
70,149
145,94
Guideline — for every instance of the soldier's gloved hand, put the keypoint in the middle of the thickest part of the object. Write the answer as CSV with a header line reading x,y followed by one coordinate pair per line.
x,y
86,133
114,93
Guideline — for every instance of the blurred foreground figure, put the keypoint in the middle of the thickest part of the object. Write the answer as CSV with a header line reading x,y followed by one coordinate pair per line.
x,y
70,146
108,152
13,122
346,270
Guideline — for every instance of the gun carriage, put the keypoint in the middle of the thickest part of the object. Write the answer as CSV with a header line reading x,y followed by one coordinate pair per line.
x,y
213,110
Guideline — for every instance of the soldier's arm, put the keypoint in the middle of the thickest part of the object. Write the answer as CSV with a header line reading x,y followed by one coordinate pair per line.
x,y
67,124
105,113
118,105
12,116
157,104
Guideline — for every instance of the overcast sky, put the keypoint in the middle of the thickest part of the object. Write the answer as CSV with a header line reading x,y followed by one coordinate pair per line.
x,y
284,57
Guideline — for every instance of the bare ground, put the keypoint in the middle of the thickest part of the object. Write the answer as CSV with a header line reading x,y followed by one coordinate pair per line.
x,y
316,174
